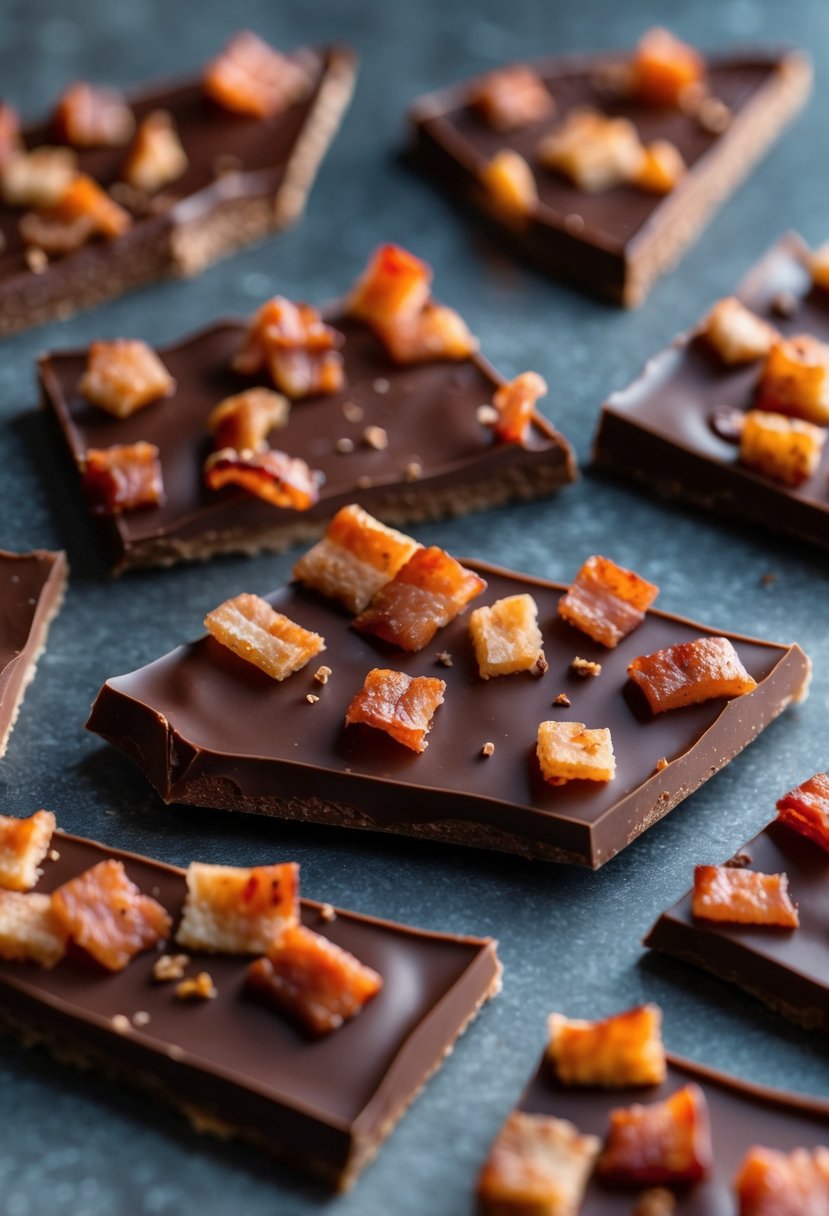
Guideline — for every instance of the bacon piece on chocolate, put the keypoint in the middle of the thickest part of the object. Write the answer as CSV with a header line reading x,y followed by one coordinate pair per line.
x,y
806,809
402,706
538,1166
38,178
736,333
661,168
665,69
568,751
157,156
124,376
83,210
293,344
426,593
786,450
280,479
690,673
512,97
235,910
742,897
514,403
438,332
11,143
795,379
595,152
249,627
313,981
355,558
29,929
606,601
818,261
92,117
506,637
23,845
663,1143
104,913
244,421
510,183
124,477
771,1183
251,77
625,1049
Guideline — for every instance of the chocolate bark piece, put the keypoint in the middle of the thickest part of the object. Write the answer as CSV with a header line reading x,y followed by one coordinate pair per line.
x,y
661,429
616,243
245,177
787,969
428,412
200,725
233,1066
31,591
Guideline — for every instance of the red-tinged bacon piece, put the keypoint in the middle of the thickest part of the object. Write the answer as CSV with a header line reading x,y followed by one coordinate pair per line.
x,y
437,332
251,77
806,809
606,601
771,1183
124,376
84,210
23,845
665,69
238,910
663,1143
280,479
661,168
794,379
105,914
742,897
92,117
403,706
10,140
514,403
124,477
29,929
512,97
510,184
689,673
157,156
255,632
244,421
294,345
538,1166
313,981
428,592
395,284
625,1049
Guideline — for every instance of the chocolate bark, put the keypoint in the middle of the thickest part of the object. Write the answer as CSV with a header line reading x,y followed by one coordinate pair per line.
x,y
618,242
209,729
237,1068
31,591
439,460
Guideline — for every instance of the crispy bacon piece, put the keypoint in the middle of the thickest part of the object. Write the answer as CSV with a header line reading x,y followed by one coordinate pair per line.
x,y
355,558
402,706
23,845
38,178
506,637
426,593
689,673
771,1183
806,809
510,183
29,929
157,156
244,421
124,477
92,117
818,261
314,981
664,69
251,77
795,379
625,1049
83,210
249,627
595,152
234,910
606,601
659,1144
514,403
568,751
736,333
280,479
538,1166
104,912
292,343
11,143
661,168
512,97
438,332
124,376
786,450
742,897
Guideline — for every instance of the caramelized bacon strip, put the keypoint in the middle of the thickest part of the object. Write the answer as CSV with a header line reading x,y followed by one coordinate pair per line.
x,y
805,809
742,897
568,751
124,477
538,1166
244,421
690,673
23,845
124,376
276,477
249,627
663,1143
403,706
606,601
251,77
625,1049
104,912
515,405
236,910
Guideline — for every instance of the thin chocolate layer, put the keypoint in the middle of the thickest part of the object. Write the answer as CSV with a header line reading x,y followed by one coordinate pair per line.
x,y
209,729
428,412
238,1068
31,590
617,242
788,969
658,430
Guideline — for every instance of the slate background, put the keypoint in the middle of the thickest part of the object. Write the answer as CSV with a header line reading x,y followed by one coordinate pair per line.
x,y
74,1144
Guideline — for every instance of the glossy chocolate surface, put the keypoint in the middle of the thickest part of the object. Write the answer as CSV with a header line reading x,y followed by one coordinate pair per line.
x,y
208,728
31,586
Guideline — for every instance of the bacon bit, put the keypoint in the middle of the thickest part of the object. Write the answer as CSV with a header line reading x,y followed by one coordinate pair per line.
x,y
376,438
413,470
233,910
606,601
805,809
664,69
244,421
38,178
785,450
795,379
568,751
444,658
323,674
85,200
157,156
771,1183
690,673
170,967
29,929
437,332
818,263
120,1023
276,477
595,152
91,117
586,669
513,407
739,861
292,343
248,626
196,988
662,1143
488,749
402,706
11,143
512,97
107,915
510,183
313,981
24,843
311,698
428,592
662,167
714,115
537,1165
562,699
124,376
625,1049
736,333
251,77
742,897
506,637
124,477
661,764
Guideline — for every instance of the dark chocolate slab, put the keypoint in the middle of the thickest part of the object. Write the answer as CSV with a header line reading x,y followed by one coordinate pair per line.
x,y
209,729
236,1067
617,242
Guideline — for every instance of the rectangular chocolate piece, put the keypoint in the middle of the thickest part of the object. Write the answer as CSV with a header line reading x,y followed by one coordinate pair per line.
x,y
788,969
659,429
31,591
235,1067
439,459
618,242
209,729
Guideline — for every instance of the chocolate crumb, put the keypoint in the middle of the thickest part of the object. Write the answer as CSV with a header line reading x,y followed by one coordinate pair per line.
x,y
414,470
36,260
375,437
444,658
739,861
381,385
328,913
661,764
196,988
311,698
352,411
713,115
785,304
562,699
322,673
141,1018
585,668
541,665
488,749
170,967
120,1024
344,446
766,580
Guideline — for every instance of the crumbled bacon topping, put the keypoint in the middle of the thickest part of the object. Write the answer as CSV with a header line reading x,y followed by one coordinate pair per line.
x,y
512,97
568,751
251,77
249,627
625,1049
795,379
24,843
514,407
664,69
585,669
438,332
106,914
661,168
606,601
689,673
292,343
771,1183
124,376
506,636
82,211
233,910
663,1143
244,421
157,156
29,929
123,477
170,967
736,333
538,1166
38,178
196,988
92,117
805,809
594,151
742,897
510,183
276,477
786,450
403,706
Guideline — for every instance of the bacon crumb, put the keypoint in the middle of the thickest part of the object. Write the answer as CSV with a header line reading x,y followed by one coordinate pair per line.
x,y
196,988
311,698
322,674
563,700
488,749
170,967
585,668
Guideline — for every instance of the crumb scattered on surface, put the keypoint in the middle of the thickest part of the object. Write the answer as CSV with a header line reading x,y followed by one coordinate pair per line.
x,y
376,438
414,470
364,483
768,579
322,674
661,764
311,698
541,665
36,260
656,1202
352,411
170,967
344,445
585,668
141,1018
120,1024
196,988
488,749
487,415
381,385
328,913
444,658
562,699
739,861
713,115
54,855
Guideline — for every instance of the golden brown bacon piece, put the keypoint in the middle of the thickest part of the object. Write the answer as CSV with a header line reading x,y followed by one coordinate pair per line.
x,y
11,143
402,706
355,558
104,912
625,1049
438,332
594,151
23,845
689,673
244,421
661,168
38,178
665,69
124,376
157,156
124,477
771,1183
251,77
512,97
514,403
795,379
314,981
428,592
506,637
280,479
29,929
83,210
787,450
568,751
297,349
806,809
606,601
249,627
91,117
736,333
538,1166
742,897
234,910
510,183
818,261
663,1143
